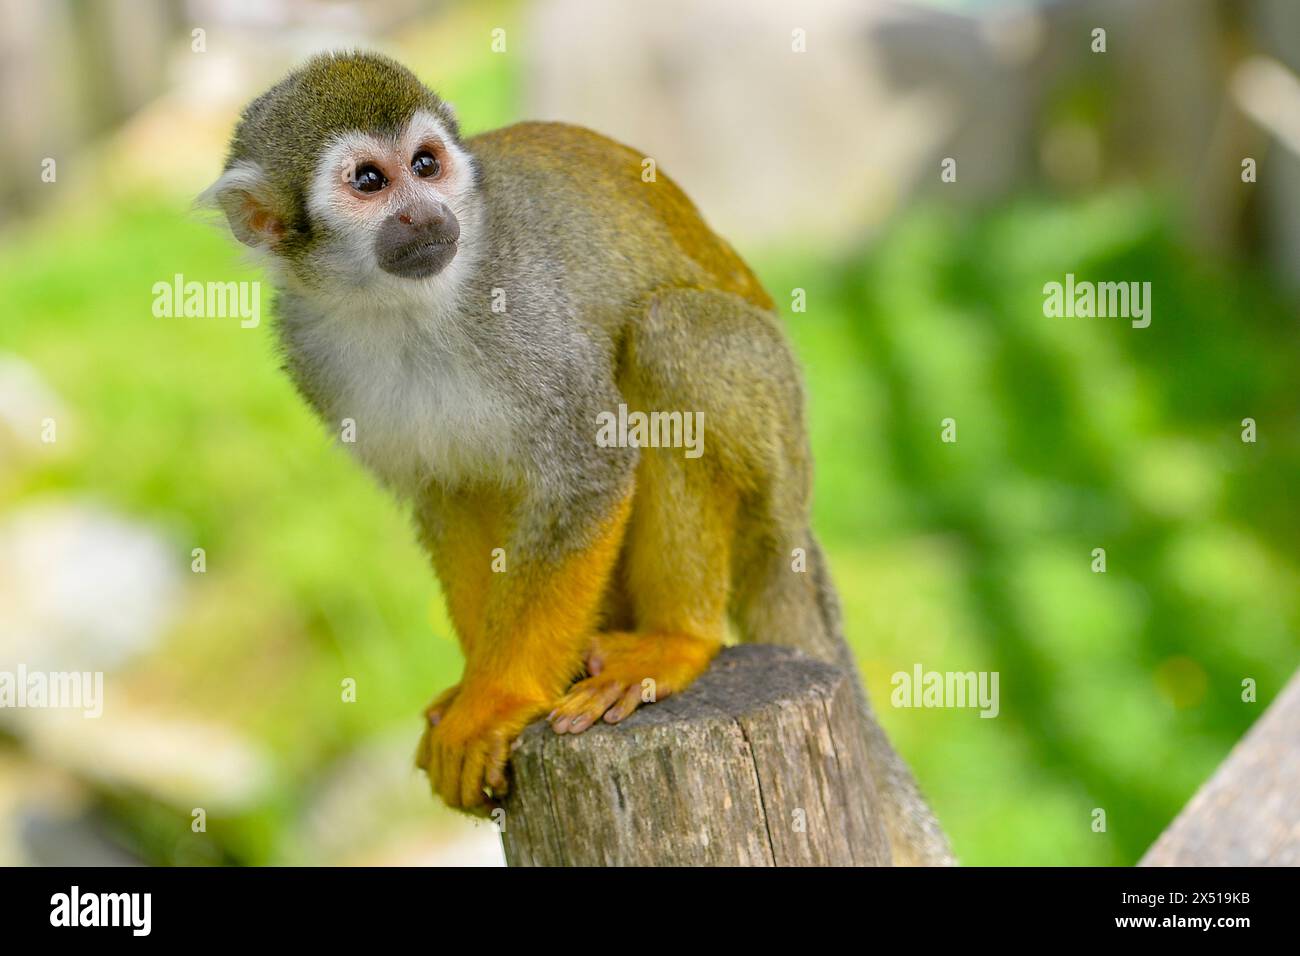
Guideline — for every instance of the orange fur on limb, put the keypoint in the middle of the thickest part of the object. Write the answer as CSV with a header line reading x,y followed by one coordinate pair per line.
x,y
526,634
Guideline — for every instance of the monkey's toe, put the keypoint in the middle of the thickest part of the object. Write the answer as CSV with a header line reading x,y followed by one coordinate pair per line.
x,y
607,696
584,704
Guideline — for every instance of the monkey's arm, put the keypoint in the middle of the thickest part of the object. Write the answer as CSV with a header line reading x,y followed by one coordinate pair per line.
x,y
524,629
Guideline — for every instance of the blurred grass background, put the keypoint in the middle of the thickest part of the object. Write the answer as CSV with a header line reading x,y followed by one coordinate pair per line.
x,y
1119,690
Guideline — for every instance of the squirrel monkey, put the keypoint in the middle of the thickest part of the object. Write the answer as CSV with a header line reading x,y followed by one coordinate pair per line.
x,y
478,307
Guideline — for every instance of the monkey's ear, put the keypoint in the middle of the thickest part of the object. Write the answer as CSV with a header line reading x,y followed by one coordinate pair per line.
x,y
243,194
453,121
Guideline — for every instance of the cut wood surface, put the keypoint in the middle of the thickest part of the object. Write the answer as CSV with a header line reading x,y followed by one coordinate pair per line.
x,y
760,762
1248,813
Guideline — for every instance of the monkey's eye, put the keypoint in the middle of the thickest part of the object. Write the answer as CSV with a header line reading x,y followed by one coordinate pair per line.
x,y
368,179
426,165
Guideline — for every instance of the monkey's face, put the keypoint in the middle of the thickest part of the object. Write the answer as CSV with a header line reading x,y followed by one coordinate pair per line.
x,y
351,176
392,202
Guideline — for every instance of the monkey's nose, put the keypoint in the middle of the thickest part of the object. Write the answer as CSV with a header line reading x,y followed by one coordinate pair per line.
x,y
406,219
417,241
432,224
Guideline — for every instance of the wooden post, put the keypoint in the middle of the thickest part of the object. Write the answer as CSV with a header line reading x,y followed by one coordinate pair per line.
x,y
761,762
1248,813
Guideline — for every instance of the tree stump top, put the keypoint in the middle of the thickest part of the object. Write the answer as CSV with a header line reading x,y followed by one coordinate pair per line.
x,y
760,762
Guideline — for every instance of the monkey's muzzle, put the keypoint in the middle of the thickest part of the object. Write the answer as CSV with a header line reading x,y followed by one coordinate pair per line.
x,y
416,247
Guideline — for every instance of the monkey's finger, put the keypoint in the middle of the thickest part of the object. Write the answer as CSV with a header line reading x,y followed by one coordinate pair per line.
x,y
573,704
584,720
629,702
584,705
471,774
430,754
449,763
422,755
496,767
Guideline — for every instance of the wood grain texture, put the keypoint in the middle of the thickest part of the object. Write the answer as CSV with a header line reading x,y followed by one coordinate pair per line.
x,y
1248,813
760,763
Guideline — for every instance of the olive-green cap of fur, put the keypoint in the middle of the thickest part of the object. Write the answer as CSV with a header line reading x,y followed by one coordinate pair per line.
x,y
332,93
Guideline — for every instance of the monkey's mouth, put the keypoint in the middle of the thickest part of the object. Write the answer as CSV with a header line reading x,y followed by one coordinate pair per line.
x,y
421,258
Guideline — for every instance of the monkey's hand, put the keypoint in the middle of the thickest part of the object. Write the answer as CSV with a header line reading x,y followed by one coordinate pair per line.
x,y
466,750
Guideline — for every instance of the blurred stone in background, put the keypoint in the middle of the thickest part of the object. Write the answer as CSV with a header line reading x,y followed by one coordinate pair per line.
x,y
81,588
26,403
776,145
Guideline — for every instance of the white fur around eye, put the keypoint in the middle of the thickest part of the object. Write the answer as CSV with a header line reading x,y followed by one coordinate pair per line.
x,y
424,128
348,260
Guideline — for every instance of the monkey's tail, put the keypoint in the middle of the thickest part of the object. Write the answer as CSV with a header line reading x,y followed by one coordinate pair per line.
x,y
915,836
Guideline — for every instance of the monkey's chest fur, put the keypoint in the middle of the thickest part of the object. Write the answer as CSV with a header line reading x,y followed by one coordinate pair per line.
x,y
421,395
420,400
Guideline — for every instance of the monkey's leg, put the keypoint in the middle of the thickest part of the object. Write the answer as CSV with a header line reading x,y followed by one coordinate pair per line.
x,y
782,590
676,567
699,355
524,646
459,530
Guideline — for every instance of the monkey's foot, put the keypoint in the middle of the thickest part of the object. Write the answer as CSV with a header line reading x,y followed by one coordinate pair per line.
x,y
628,670
466,744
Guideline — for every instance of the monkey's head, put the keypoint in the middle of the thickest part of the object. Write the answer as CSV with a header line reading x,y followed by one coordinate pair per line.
x,y
350,172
